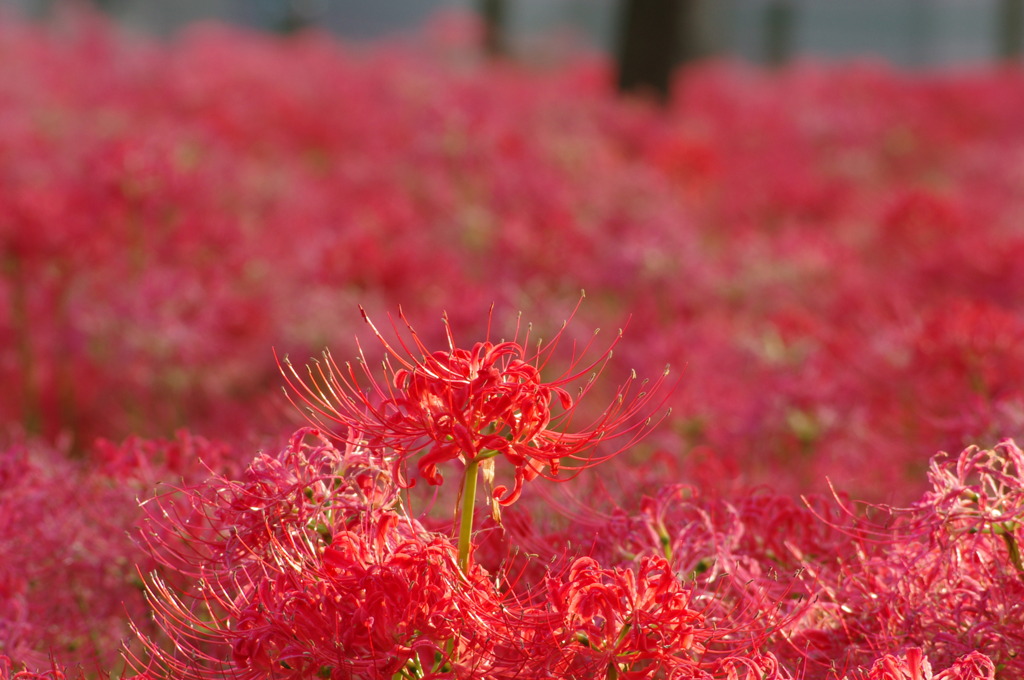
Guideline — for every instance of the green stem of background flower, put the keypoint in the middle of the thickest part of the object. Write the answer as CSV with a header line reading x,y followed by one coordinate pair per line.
x,y
1015,558
466,518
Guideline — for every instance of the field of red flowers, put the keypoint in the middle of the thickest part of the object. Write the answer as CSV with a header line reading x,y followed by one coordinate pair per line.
x,y
477,483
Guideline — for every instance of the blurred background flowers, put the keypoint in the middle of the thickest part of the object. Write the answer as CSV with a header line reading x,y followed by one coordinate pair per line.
x,y
811,210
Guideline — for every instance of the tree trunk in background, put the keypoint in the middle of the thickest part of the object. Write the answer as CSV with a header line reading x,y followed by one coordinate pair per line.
x,y
651,37
41,9
292,18
1010,29
779,25
492,12
108,6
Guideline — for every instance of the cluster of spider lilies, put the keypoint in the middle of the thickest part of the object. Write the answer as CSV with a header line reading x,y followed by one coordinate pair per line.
x,y
827,256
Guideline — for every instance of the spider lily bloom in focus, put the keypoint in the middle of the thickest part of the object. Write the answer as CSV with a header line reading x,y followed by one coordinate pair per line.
x,y
478,406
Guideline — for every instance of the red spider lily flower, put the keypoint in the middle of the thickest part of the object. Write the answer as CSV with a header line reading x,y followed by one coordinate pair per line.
x,y
372,603
367,610
914,665
472,405
640,622
944,573
637,623
911,666
54,672
305,493
980,491
304,568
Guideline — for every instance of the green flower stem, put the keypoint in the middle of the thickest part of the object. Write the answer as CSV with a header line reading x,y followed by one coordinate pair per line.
x,y
466,519
1015,558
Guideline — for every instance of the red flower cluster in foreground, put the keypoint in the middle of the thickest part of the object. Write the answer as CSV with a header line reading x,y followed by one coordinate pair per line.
x,y
311,566
314,563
